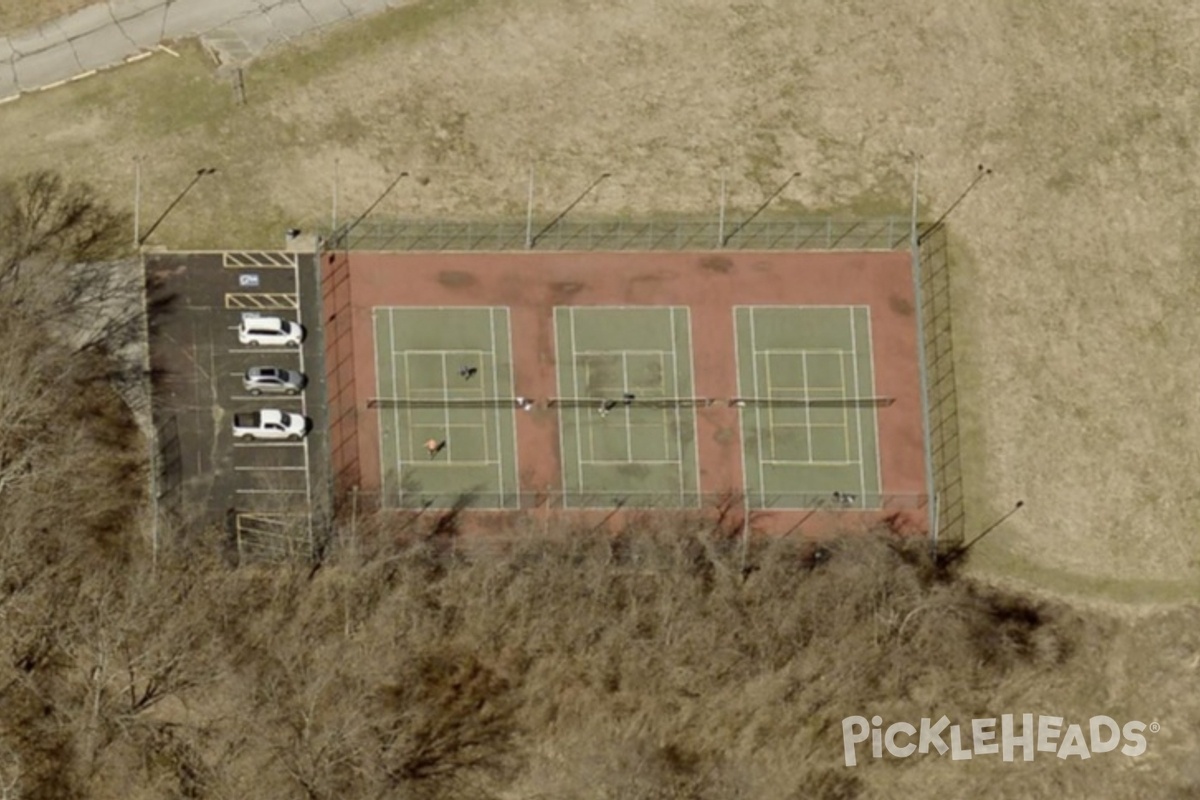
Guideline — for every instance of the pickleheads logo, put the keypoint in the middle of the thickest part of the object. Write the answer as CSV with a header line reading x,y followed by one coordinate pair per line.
x,y
1035,734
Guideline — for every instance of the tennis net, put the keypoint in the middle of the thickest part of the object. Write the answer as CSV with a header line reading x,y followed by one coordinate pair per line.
x,y
811,402
636,402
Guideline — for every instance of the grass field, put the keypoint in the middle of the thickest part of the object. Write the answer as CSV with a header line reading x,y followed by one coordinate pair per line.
x,y
1074,263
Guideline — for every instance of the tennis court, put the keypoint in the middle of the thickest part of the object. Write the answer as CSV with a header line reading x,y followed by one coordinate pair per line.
x,y
808,406
444,396
627,410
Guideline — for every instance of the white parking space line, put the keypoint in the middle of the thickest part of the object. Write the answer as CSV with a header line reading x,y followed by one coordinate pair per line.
x,y
269,351
268,444
274,398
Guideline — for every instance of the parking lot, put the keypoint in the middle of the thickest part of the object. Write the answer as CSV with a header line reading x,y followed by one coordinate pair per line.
x,y
260,491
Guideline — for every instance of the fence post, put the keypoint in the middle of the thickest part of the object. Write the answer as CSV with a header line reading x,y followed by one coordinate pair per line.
x,y
922,364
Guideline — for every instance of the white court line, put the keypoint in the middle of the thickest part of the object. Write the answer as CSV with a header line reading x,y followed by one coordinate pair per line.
x,y
512,380
609,462
495,411
875,411
562,444
601,353
802,308
768,395
862,475
628,409
846,411
477,353
742,416
692,392
807,409
575,393
678,427
274,398
400,456
446,410
825,351
269,444
762,478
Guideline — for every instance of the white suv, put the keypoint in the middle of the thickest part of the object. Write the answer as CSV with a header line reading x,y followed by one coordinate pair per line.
x,y
256,330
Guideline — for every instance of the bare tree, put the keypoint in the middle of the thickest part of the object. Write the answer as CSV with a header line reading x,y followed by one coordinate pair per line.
x,y
45,221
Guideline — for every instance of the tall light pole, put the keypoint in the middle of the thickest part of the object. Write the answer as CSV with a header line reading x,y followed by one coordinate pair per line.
x,y
759,210
533,240
200,173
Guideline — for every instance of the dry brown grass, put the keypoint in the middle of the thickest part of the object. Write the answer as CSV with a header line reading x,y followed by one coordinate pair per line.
x,y
648,666
1073,265
16,15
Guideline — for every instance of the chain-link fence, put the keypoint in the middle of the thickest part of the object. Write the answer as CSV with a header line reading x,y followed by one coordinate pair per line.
x,y
651,501
943,436
791,233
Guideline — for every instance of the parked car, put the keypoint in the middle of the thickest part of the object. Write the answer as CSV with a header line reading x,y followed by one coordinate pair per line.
x,y
256,330
273,380
270,424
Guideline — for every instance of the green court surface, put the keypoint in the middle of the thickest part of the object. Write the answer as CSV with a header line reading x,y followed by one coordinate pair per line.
x,y
640,453
419,353
809,426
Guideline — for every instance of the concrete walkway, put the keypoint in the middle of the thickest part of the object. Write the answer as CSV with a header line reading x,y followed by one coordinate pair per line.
x,y
119,31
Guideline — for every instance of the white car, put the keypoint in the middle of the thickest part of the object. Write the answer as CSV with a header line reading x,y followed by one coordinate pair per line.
x,y
256,330
270,424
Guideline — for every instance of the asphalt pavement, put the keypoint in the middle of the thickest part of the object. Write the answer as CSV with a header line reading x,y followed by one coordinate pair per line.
x,y
195,301
110,34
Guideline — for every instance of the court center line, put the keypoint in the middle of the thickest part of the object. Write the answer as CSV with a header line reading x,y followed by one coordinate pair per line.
x,y
446,410
808,442
858,412
409,425
628,409
762,485
692,392
675,385
400,457
846,411
602,353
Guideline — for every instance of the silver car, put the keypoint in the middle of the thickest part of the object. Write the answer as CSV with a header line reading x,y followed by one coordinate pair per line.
x,y
273,380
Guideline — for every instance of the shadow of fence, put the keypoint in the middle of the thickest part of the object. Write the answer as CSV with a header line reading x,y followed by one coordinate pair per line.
x,y
943,432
